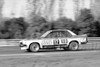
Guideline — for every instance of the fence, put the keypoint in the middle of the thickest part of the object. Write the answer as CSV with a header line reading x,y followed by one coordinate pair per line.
x,y
93,43
9,42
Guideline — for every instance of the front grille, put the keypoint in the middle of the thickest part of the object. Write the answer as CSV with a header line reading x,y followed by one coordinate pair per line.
x,y
22,45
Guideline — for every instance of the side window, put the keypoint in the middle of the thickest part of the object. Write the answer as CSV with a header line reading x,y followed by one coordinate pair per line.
x,y
65,34
60,34
52,35
57,34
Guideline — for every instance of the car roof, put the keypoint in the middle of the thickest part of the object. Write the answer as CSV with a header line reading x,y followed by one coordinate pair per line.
x,y
59,30
63,30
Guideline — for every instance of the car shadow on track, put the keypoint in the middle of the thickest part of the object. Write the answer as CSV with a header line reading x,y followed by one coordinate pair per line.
x,y
61,50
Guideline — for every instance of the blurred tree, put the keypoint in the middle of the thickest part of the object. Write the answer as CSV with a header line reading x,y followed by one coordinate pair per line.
x,y
95,29
34,28
14,28
64,23
3,32
85,21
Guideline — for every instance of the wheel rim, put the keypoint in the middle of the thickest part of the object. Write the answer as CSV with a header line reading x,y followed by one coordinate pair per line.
x,y
74,46
34,47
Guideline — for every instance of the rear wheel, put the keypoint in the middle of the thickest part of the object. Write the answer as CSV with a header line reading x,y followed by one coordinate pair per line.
x,y
34,47
73,46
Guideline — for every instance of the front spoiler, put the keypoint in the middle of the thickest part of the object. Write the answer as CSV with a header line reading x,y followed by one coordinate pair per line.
x,y
23,48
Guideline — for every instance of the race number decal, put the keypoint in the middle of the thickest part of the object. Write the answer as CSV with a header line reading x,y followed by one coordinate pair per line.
x,y
47,42
56,42
64,41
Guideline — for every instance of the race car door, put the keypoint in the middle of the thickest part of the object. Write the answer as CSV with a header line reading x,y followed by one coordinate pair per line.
x,y
61,38
56,38
51,39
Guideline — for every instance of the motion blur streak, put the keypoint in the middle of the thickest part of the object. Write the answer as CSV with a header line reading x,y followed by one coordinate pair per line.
x,y
49,9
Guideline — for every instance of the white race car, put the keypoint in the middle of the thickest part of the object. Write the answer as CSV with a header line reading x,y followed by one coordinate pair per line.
x,y
65,39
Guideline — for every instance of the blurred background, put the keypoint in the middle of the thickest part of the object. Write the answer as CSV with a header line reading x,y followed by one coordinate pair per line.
x,y
26,18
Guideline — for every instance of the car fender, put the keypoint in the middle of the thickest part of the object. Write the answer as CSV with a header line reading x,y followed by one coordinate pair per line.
x,y
74,40
29,42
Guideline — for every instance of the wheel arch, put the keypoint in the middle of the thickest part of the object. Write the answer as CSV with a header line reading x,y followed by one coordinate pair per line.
x,y
34,43
76,47
74,41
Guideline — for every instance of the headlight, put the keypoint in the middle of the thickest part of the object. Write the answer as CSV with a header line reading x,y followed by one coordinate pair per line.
x,y
22,44
22,41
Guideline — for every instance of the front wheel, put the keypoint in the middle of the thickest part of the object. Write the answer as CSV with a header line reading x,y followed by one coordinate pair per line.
x,y
66,48
34,47
73,46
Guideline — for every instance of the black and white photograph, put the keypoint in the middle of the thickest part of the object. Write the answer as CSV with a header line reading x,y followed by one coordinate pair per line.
x,y
49,33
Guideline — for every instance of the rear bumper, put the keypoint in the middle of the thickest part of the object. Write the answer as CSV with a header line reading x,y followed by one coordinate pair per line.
x,y
84,42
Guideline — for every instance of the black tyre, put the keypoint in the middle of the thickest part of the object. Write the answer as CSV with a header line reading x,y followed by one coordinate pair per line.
x,y
66,48
73,46
34,47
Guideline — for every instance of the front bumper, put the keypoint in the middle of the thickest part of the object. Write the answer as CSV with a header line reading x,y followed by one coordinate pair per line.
x,y
22,45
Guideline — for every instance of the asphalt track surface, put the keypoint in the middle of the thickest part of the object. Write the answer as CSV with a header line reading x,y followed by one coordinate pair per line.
x,y
15,50
88,56
12,56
